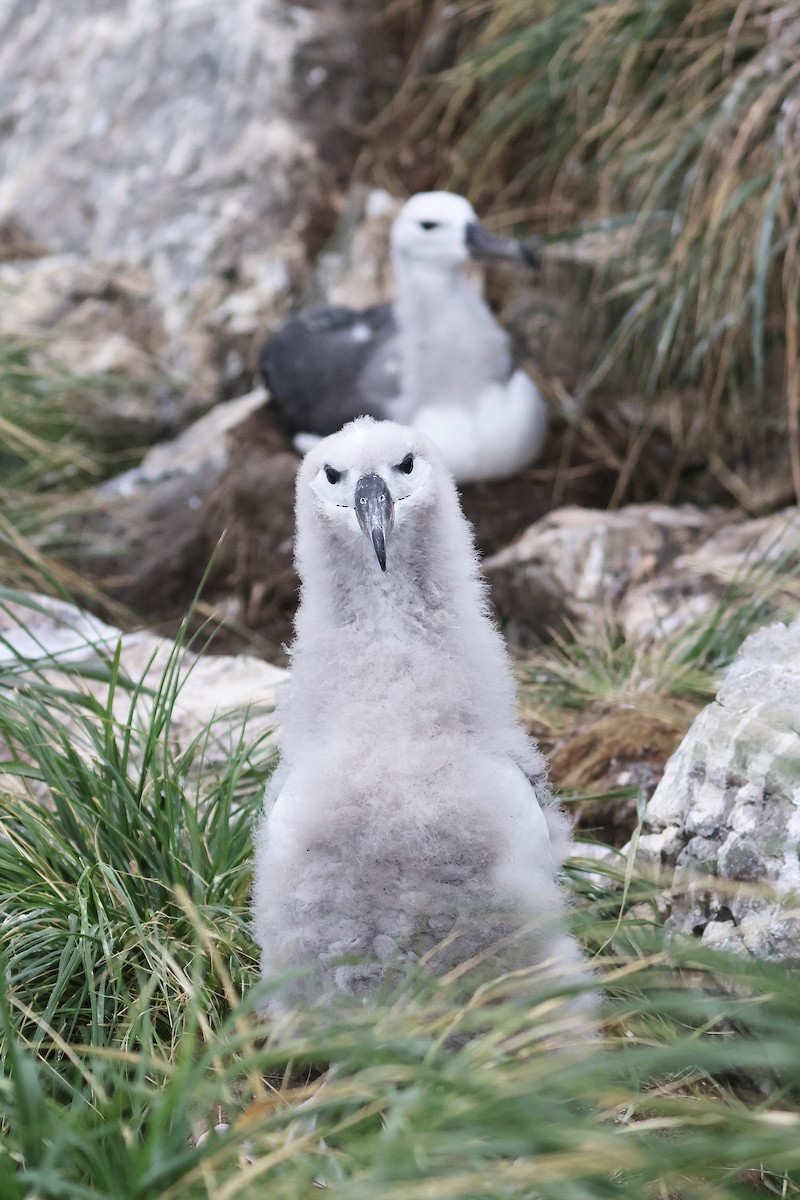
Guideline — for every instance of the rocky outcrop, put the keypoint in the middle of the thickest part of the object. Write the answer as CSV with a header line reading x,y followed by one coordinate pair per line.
x,y
216,697
141,534
738,557
723,826
650,569
165,161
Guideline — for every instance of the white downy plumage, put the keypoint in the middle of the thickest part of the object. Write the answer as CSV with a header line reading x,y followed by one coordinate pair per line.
x,y
459,385
410,808
435,359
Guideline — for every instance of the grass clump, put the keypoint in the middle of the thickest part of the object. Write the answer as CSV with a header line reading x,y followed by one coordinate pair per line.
x,y
46,458
44,452
114,844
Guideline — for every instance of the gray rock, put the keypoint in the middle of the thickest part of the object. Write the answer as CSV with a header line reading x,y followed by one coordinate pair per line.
x,y
140,533
576,566
730,552
172,141
723,826
224,695
650,568
200,453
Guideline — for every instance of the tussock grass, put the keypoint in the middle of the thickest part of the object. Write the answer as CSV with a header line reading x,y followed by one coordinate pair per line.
x,y
46,458
113,845
129,1023
672,130
43,450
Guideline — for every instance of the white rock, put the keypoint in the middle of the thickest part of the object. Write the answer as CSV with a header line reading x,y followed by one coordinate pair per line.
x,y
200,450
724,823
693,582
578,565
174,139
221,692
649,568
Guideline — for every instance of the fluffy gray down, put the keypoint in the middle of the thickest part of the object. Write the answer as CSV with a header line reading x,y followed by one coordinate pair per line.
x,y
410,814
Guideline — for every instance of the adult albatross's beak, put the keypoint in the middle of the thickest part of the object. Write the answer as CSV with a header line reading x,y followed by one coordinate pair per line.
x,y
485,245
375,512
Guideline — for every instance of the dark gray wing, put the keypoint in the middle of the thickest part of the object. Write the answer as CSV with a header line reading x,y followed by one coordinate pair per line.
x,y
327,365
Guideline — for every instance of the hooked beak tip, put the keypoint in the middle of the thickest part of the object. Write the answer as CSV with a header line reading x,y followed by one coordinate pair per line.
x,y
379,543
482,244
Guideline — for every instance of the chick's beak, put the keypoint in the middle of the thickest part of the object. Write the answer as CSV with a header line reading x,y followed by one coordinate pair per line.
x,y
375,513
485,245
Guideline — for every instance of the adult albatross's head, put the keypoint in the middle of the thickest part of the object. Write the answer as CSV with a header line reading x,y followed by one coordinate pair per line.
x,y
442,229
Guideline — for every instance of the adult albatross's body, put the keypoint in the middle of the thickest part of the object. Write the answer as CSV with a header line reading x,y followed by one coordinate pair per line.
x,y
410,815
435,359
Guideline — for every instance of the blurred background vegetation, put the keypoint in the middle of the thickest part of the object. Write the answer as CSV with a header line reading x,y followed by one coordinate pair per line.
x,y
49,456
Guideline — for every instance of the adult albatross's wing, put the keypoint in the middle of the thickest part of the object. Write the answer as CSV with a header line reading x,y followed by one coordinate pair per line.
x,y
327,365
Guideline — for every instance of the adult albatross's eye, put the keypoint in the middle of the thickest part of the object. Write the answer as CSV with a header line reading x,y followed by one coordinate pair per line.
x,y
429,225
407,465
332,475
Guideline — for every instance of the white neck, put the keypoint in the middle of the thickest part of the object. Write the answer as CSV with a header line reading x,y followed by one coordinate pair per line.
x,y
452,348
400,634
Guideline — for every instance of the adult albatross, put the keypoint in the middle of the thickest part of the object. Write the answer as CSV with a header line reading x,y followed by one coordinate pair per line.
x,y
435,359
410,817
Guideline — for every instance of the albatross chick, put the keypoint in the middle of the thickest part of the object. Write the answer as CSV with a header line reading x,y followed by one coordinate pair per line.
x,y
409,816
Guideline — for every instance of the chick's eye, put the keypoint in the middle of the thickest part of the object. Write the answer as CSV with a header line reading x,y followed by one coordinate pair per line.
x,y
332,475
407,465
428,225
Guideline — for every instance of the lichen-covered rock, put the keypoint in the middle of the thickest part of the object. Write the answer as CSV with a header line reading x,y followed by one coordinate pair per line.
x,y
723,826
175,142
651,569
576,566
